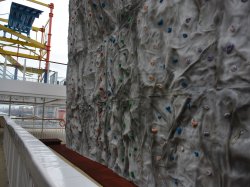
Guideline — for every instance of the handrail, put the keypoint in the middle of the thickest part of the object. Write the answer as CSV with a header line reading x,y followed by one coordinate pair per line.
x,y
31,163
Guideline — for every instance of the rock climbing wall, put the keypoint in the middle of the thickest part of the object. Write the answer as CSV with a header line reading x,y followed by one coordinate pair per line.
x,y
158,90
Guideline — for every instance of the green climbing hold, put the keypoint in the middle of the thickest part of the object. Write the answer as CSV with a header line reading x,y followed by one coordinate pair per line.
x,y
132,174
129,19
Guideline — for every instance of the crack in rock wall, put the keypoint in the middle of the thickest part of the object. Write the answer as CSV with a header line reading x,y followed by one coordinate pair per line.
x,y
158,90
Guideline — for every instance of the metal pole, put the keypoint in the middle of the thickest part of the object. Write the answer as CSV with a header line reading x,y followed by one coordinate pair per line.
x,y
4,68
24,69
46,74
10,106
43,115
16,73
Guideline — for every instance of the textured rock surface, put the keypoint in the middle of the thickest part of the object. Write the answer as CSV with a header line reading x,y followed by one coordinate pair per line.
x,y
158,90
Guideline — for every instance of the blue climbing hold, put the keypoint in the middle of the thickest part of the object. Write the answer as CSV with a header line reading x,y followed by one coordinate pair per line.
x,y
169,30
171,158
161,1
196,153
160,23
168,108
103,5
185,35
175,60
95,6
178,130
184,84
176,181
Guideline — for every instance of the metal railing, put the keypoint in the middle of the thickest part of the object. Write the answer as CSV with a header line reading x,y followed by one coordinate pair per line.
x,y
30,163
43,128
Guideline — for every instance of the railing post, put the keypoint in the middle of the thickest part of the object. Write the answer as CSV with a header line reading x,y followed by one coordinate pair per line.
x,y
9,106
43,117
24,69
4,67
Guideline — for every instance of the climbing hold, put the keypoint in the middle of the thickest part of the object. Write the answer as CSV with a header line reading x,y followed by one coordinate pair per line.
x,y
94,5
109,93
161,1
120,79
184,35
160,86
152,62
210,58
132,174
151,78
234,68
158,158
123,159
227,115
168,108
196,153
160,23
175,60
188,20
103,5
194,123
154,130
178,130
120,66
244,1
176,181
230,48
208,172
188,103
169,30
135,149
145,7
159,117
182,149
129,19
184,84
171,158
232,28
206,133
206,107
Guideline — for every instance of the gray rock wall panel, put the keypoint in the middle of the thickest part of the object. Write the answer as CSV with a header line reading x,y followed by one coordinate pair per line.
x,y
158,90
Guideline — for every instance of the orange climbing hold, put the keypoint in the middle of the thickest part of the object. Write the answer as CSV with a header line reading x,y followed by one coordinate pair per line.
x,y
151,78
154,130
194,123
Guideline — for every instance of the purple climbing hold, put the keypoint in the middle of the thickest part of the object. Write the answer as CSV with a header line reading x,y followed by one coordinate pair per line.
x,y
188,20
210,58
230,48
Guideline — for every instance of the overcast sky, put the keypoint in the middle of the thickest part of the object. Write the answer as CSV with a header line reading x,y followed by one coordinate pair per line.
x,y
59,50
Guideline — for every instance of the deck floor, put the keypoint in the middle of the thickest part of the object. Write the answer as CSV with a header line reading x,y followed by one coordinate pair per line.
x,y
103,175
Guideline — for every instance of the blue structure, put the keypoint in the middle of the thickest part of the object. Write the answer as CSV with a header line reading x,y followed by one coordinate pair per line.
x,y
21,18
